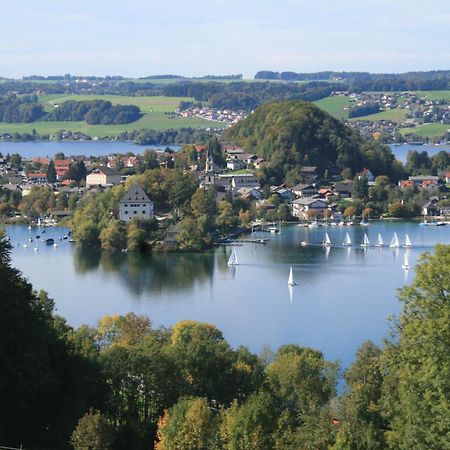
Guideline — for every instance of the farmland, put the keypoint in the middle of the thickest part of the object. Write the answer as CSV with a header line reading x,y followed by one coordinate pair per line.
x,y
427,130
153,110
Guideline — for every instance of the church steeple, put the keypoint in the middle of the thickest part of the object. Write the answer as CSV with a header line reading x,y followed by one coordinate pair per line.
x,y
209,167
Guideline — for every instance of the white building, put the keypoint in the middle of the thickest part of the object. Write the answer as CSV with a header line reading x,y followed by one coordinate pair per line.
x,y
135,204
103,176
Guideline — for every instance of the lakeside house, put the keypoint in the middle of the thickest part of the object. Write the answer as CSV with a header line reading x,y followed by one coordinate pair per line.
x,y
303,206
135,204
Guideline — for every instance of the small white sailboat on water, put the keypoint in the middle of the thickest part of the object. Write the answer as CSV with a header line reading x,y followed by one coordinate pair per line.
x,y
379,241
347,241
291,281
407,243
394,242
326,241
405,264
233,260
365,242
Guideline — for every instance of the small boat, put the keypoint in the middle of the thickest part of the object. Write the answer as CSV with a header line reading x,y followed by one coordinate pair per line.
x,y
49,241
379,241
347,241
72,241
38,237
55,245
35,249
291,281
365,242
303,243
407,243
233,261
313,224
363,223
65,237
326,241
394,242
29,227
25,245
31,239
405,264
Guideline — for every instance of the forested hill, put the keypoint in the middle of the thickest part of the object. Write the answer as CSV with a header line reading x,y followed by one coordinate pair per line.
x,y
291,134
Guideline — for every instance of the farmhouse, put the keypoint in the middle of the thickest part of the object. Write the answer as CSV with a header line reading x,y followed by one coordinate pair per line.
x,y
303,207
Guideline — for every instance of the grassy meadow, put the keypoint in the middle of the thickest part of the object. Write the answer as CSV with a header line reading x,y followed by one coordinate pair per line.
x,y
153,116
427,130
334,106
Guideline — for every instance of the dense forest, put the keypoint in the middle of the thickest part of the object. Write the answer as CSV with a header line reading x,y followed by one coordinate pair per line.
x,y
125,384
26,109
94,112
293,134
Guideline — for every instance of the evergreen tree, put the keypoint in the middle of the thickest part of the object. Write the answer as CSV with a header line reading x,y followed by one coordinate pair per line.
x,y
51,172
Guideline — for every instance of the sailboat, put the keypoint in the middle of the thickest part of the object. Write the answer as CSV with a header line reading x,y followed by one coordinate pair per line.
x,y
379,241
365,242
326,241
408,243
233,261
347,241
291,281
394,243
405,264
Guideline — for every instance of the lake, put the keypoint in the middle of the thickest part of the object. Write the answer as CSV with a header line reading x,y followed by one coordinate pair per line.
x,y
343,298
102,148
76,148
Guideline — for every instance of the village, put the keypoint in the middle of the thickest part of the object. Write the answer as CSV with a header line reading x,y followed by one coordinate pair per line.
x,y
314,198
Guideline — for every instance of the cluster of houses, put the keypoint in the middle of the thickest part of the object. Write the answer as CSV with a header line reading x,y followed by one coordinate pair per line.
x,y
217,115
417,111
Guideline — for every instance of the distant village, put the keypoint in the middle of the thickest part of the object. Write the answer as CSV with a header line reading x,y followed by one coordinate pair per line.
x,y
225,115
313,198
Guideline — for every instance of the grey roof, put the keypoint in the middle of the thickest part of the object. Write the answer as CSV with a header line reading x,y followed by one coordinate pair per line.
x,y
136,195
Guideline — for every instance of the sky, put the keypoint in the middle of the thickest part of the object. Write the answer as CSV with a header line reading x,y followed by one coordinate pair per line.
x,y
136,38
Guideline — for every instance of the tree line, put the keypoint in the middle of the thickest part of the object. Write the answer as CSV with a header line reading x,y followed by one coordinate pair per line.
x,y
125,384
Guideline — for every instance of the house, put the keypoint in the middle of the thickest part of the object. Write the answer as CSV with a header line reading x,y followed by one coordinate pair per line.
x,y
237,180
344,189
405,184
447,177
430,208
235,164
103,176
285,194
366,173
309,173
37,178
135,204
325,193
250,193
170,241
302,206
304,190
259,162
62,167
423,180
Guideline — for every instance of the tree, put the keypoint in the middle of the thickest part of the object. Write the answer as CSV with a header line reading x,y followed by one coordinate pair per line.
x,y
416,387
202,203
360,188
59,156
114,236
189,425
361,424
93,432
189,237
350,211
51,172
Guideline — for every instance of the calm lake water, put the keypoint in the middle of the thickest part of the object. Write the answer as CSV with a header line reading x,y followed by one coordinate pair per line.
x,y
102,148
76,148
343,298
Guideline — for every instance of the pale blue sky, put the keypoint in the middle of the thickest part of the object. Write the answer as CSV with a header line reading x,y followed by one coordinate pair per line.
x,y
196,37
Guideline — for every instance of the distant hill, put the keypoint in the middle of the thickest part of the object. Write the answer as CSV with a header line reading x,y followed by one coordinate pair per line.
x,y
292,134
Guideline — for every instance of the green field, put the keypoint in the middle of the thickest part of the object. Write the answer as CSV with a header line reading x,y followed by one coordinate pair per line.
x,y
434,95
396,115
335,106
153,109
427,130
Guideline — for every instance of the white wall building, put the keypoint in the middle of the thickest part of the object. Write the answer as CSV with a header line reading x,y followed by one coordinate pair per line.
x,y
135,204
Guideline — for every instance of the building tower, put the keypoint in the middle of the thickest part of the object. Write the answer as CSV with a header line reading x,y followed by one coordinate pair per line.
x,y
209,169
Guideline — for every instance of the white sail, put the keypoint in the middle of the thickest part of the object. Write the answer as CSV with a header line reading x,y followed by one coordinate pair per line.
x,y
379,241
326,240
405,261
394,243
408,243
365,242
233,261
347,241
291,278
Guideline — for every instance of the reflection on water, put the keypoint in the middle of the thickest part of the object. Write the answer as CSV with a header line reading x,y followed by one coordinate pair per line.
x,y
151,273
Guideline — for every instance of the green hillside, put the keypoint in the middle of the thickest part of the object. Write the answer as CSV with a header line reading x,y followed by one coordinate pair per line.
x,y
154,116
